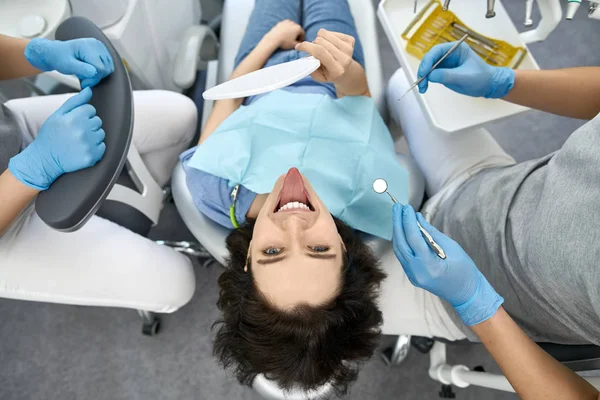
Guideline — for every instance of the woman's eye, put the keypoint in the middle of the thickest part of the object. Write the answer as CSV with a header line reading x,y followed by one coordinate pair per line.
x,y
320,249
271,251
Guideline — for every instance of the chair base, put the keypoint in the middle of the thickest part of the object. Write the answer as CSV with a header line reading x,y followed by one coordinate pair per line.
x,y
396,355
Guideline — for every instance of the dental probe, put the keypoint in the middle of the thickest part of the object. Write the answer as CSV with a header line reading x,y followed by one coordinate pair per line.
x,y
380,186
435,65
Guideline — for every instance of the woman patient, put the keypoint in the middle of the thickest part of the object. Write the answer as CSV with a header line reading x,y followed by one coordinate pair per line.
x,y
299,296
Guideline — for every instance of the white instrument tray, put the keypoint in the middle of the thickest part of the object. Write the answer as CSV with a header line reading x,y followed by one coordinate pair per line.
x,y
446,110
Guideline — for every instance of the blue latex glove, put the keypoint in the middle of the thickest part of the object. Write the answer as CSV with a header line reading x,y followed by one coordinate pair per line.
x,y
88,59
455,279
465,72
71,139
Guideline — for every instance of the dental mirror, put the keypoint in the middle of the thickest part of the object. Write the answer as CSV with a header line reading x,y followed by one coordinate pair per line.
x,y
264,80
380,186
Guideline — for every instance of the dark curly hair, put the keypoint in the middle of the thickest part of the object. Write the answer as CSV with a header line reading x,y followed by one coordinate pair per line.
x,y
307,346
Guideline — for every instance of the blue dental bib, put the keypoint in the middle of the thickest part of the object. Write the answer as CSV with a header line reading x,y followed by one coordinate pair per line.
x,y
340,145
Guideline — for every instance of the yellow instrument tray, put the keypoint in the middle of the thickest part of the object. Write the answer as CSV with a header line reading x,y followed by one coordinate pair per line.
x,y
433,26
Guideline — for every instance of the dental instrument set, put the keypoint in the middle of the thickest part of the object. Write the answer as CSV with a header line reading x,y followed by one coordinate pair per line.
x,y
380,186
491,13
450,51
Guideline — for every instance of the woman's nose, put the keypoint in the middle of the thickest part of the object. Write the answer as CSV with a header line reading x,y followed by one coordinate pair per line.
x,y
294,223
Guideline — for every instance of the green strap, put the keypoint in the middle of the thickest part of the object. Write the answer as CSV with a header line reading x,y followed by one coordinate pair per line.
x,y
232,217
234,194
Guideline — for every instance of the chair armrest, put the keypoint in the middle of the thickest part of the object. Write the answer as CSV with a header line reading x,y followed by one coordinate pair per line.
x,y
576,357
198,46
75,197
212,76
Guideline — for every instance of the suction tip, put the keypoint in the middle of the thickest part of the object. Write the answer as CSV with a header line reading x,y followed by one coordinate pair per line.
x,y
572,8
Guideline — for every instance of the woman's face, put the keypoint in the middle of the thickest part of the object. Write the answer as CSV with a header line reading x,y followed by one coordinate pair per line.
x,y
296,250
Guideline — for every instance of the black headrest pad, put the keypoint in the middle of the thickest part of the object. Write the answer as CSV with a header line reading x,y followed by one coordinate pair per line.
x,y
75,197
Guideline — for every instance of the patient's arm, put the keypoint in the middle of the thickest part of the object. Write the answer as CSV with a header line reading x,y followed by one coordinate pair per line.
x,y
14,64
530,370
335,50
571,92
14,197
282,35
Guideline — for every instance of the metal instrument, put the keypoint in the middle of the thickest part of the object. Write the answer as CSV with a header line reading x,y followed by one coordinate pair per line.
x,y
475,35
490,11
450,51
446,5
380,186
528,12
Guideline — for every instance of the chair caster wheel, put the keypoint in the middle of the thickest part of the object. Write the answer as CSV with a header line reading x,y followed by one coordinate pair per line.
x,y
447,392
151,328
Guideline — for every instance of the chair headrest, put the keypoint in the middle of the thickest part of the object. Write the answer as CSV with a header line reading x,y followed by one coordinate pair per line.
x,y
271,391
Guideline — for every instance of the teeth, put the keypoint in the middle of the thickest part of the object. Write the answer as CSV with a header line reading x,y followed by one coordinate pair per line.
x,y
294,205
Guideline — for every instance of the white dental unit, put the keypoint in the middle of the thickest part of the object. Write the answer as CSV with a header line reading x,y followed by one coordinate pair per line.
x,y
150,35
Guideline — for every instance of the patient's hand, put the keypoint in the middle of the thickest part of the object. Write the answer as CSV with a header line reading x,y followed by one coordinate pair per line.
x,y
286,34
335,51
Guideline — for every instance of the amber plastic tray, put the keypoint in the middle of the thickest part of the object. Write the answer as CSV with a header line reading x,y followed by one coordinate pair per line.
x,y
433,26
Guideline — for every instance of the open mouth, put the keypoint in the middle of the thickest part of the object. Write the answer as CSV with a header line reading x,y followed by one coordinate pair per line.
x,y
293,196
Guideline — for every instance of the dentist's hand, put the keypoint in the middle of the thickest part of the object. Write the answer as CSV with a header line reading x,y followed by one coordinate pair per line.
x,y
71,139
455,279
465,72
88,59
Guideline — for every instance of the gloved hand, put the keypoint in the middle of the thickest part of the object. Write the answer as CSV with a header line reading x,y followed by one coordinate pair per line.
x,y
455,279
465,72
88,59
71,139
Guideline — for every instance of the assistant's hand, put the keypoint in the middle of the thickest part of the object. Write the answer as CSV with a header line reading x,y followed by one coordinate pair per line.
x,y
335,51
465,72
88,59
71,139
286,34
455,279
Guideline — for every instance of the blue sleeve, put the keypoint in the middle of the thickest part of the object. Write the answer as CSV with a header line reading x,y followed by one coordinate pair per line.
x,y
212,195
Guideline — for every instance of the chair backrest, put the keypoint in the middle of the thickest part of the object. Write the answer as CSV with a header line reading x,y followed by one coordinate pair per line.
x,y
75,197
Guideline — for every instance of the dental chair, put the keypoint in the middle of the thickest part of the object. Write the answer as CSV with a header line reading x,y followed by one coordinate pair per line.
x,y
211,235
119,188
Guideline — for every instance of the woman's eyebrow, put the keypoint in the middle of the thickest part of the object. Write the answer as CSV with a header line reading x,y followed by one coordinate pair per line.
x,y
273,260
322,256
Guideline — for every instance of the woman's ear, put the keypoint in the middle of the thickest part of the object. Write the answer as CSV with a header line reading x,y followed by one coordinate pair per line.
x,y
248,257
342,242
